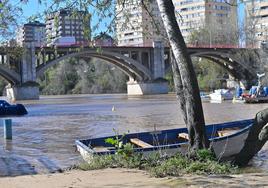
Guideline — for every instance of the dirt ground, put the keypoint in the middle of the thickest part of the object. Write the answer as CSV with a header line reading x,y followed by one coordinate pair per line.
x,y
130,178
75,178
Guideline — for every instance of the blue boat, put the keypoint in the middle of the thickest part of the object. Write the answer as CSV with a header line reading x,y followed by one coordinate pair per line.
x,y
227,139
7,109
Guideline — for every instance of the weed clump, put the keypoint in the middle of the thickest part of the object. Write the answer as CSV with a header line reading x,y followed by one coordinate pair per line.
x,y
160,166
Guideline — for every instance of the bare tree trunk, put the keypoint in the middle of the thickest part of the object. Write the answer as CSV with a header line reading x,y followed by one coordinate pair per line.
x,y
193,107
178,86
180,93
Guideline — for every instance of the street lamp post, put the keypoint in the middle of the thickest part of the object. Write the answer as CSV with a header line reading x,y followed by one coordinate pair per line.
x,y
209,38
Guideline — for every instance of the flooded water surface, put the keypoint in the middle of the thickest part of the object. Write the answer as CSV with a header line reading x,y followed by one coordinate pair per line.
x,y
43,140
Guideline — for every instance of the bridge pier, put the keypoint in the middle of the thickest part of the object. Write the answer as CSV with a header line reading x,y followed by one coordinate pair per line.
x,y
27,89
158,85
158,62
22,92
147,88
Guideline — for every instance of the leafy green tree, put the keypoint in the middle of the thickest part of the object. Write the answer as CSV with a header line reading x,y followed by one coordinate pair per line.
x,y
209,75
83,77
60,79
9,14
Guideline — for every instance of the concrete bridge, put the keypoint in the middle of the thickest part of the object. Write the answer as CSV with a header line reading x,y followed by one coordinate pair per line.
x,y
145,66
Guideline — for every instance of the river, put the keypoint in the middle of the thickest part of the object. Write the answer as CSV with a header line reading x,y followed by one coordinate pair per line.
x,y
43,140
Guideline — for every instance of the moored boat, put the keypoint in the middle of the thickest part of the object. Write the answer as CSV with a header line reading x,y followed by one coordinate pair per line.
x,y
7,109
257,94
204,97
221,94
256,99
227,139
253,96
238,100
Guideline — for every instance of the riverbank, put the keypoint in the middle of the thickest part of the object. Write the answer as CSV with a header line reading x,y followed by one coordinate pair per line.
x,y
130,178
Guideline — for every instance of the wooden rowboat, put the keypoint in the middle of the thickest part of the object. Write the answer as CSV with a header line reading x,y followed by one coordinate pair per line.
x,y
227,139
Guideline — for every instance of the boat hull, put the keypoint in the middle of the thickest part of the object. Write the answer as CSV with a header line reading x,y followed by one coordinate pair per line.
x,y
256,99
223,146
229,146
220,95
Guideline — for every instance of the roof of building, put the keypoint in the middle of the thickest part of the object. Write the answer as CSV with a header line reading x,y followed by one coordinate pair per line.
x,y
103,35
36,24
65,12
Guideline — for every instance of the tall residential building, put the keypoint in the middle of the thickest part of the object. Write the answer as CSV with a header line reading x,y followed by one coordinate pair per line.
x,y
31,32
135,26
256,22
68,24
217,17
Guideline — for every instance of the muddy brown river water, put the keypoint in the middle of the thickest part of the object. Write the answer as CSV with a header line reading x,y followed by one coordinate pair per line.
x,y
43,140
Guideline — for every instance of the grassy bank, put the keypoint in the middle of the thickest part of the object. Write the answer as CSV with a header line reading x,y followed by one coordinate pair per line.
x,y
160,166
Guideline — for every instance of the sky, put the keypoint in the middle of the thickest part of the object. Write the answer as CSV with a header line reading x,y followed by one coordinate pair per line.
x,y
32,7
240,12
241,16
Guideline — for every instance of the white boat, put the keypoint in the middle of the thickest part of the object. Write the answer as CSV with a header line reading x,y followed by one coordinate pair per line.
x,y
221,94
204,97
227,139
238,100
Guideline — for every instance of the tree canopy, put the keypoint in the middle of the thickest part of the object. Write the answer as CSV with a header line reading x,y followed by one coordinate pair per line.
x,y
9,15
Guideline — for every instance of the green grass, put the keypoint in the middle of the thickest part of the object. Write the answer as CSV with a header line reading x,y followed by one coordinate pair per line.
x,y
159,166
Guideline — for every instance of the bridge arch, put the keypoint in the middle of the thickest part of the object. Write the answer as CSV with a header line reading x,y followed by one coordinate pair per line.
x,y
129,66
222,56
215,58
10,75
229,59
226,58
219,62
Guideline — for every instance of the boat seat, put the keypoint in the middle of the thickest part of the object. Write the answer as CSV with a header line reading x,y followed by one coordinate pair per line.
x,y
101,149
183,136
140,143
227,131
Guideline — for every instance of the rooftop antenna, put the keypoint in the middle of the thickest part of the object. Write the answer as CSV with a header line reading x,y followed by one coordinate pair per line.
x,y
260,75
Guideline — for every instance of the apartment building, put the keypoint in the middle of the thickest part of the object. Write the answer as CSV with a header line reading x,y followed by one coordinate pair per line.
x,y
256,22
68,24
33,32
217,17
135,26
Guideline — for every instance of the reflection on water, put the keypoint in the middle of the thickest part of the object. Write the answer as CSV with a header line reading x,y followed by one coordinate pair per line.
x,y
43,140
7,145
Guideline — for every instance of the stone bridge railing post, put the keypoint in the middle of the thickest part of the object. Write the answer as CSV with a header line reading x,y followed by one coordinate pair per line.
x,y
28,64
158,60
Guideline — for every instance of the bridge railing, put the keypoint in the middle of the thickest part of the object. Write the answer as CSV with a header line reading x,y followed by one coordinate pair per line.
x,y
212,46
